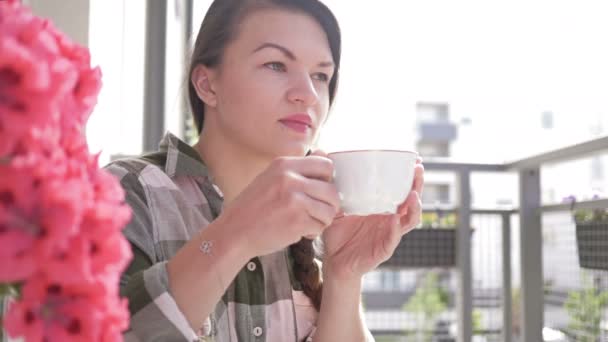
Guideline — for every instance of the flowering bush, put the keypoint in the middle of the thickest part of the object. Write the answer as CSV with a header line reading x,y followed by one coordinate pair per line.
x,y
60,215
585,216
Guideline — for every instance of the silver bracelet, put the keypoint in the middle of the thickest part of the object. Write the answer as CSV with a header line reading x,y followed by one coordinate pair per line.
x,y
206,247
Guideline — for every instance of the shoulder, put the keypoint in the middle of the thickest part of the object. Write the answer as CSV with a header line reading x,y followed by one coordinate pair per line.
x,y
137,167
136,176
137,173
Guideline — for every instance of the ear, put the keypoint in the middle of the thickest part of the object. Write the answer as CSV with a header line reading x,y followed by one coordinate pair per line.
x,y
201,79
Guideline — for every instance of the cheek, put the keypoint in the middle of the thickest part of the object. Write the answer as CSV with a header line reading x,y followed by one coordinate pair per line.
x,y
254,90
324,108
249,106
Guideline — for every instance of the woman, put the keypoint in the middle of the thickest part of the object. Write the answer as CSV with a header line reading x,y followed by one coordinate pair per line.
x,y
222,231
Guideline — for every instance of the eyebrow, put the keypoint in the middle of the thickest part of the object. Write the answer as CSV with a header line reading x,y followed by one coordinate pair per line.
x,y
288,53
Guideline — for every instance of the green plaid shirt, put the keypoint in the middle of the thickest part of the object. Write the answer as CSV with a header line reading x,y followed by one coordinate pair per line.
x,y
173,198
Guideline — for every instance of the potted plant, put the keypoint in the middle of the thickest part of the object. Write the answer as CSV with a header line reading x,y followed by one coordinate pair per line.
x,y
585,309
433,244
592,237
427,303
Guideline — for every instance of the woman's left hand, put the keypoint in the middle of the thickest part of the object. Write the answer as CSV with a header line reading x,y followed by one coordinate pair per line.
x,y
355,245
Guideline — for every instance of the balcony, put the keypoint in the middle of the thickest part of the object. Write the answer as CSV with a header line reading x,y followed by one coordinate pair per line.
x,y
517,274
437,132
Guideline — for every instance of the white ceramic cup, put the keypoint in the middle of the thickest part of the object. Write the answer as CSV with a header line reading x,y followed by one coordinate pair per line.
x,y
373,181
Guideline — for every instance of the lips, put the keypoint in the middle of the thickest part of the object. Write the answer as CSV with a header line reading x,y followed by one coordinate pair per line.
x,y
300,123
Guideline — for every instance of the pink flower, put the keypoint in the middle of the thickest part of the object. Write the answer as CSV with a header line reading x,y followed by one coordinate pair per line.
x,y
116,320
17,264
60,216
110,214
71,263
83,321
20,69
60,312
75,53
63,203
91,260
109,255
83,97
18,231
27,96
38,215
107,187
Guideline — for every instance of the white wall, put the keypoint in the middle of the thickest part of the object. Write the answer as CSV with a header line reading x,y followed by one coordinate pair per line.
x,y
117,36
70,16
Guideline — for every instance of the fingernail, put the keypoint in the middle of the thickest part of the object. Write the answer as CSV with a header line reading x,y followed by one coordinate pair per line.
x,y
340,196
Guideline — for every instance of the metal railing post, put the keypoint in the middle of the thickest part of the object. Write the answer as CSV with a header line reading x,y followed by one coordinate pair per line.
x,y
464,300
154,74
507,312
532,296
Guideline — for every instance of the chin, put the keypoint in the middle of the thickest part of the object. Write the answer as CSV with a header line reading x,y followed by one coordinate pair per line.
x,y
292,150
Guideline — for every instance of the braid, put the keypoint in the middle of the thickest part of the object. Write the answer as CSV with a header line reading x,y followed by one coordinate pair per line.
x,y
307,271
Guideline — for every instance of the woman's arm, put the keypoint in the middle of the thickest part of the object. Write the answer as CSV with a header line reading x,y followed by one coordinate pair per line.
x,y
341,318
197,280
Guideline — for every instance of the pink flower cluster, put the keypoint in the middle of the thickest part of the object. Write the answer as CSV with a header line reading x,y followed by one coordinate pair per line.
x,y
60,215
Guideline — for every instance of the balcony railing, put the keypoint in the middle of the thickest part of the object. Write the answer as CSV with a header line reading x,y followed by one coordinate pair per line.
x,y
550,281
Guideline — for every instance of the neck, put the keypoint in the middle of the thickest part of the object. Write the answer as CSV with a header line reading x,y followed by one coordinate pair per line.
x,y
232,166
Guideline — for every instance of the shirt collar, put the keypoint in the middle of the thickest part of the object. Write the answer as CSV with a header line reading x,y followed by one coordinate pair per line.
x,y
182,159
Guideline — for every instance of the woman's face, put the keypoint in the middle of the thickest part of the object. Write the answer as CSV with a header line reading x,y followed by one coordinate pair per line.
x,y
272,87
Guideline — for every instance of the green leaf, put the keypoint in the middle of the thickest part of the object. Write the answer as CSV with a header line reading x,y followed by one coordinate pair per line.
x,y
9,290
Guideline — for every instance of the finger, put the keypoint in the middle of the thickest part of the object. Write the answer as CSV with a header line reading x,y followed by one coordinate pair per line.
x,y
319,153
312,223
340,213
319,211
404,207
418,178
321,191
412,219
417,187
310,167
393,237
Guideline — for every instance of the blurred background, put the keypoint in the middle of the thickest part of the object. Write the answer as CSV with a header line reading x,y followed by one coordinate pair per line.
x,y
506,101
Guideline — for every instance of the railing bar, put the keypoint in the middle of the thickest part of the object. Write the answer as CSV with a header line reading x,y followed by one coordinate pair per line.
x,y
592,204
572,152
437,165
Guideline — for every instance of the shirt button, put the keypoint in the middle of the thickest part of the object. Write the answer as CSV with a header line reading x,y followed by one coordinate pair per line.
x,y
251,266
257,331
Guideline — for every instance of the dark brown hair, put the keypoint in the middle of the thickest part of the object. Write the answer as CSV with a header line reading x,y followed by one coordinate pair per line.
x,y
219,27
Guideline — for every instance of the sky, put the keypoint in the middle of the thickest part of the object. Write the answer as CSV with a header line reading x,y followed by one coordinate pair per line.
x,y
499,63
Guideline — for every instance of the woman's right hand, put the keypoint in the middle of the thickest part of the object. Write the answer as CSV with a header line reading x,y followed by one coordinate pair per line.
x,y
293,198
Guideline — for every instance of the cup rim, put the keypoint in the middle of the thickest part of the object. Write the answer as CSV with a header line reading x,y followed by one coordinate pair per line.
x,y
375,150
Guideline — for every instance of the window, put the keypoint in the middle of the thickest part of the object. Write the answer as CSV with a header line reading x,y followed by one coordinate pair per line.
x,y
597,169
436,194
547,120
432,112
434,149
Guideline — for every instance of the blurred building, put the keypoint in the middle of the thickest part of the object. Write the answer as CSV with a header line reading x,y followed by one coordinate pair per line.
x,y
435,135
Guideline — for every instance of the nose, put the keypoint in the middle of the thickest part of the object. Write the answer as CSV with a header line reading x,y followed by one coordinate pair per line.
x,y
302,90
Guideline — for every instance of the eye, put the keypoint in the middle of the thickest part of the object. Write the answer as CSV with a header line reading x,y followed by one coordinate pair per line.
x,y
276,66
321,76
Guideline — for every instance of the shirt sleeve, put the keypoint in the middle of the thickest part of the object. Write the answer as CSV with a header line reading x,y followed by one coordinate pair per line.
x,y
155,315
